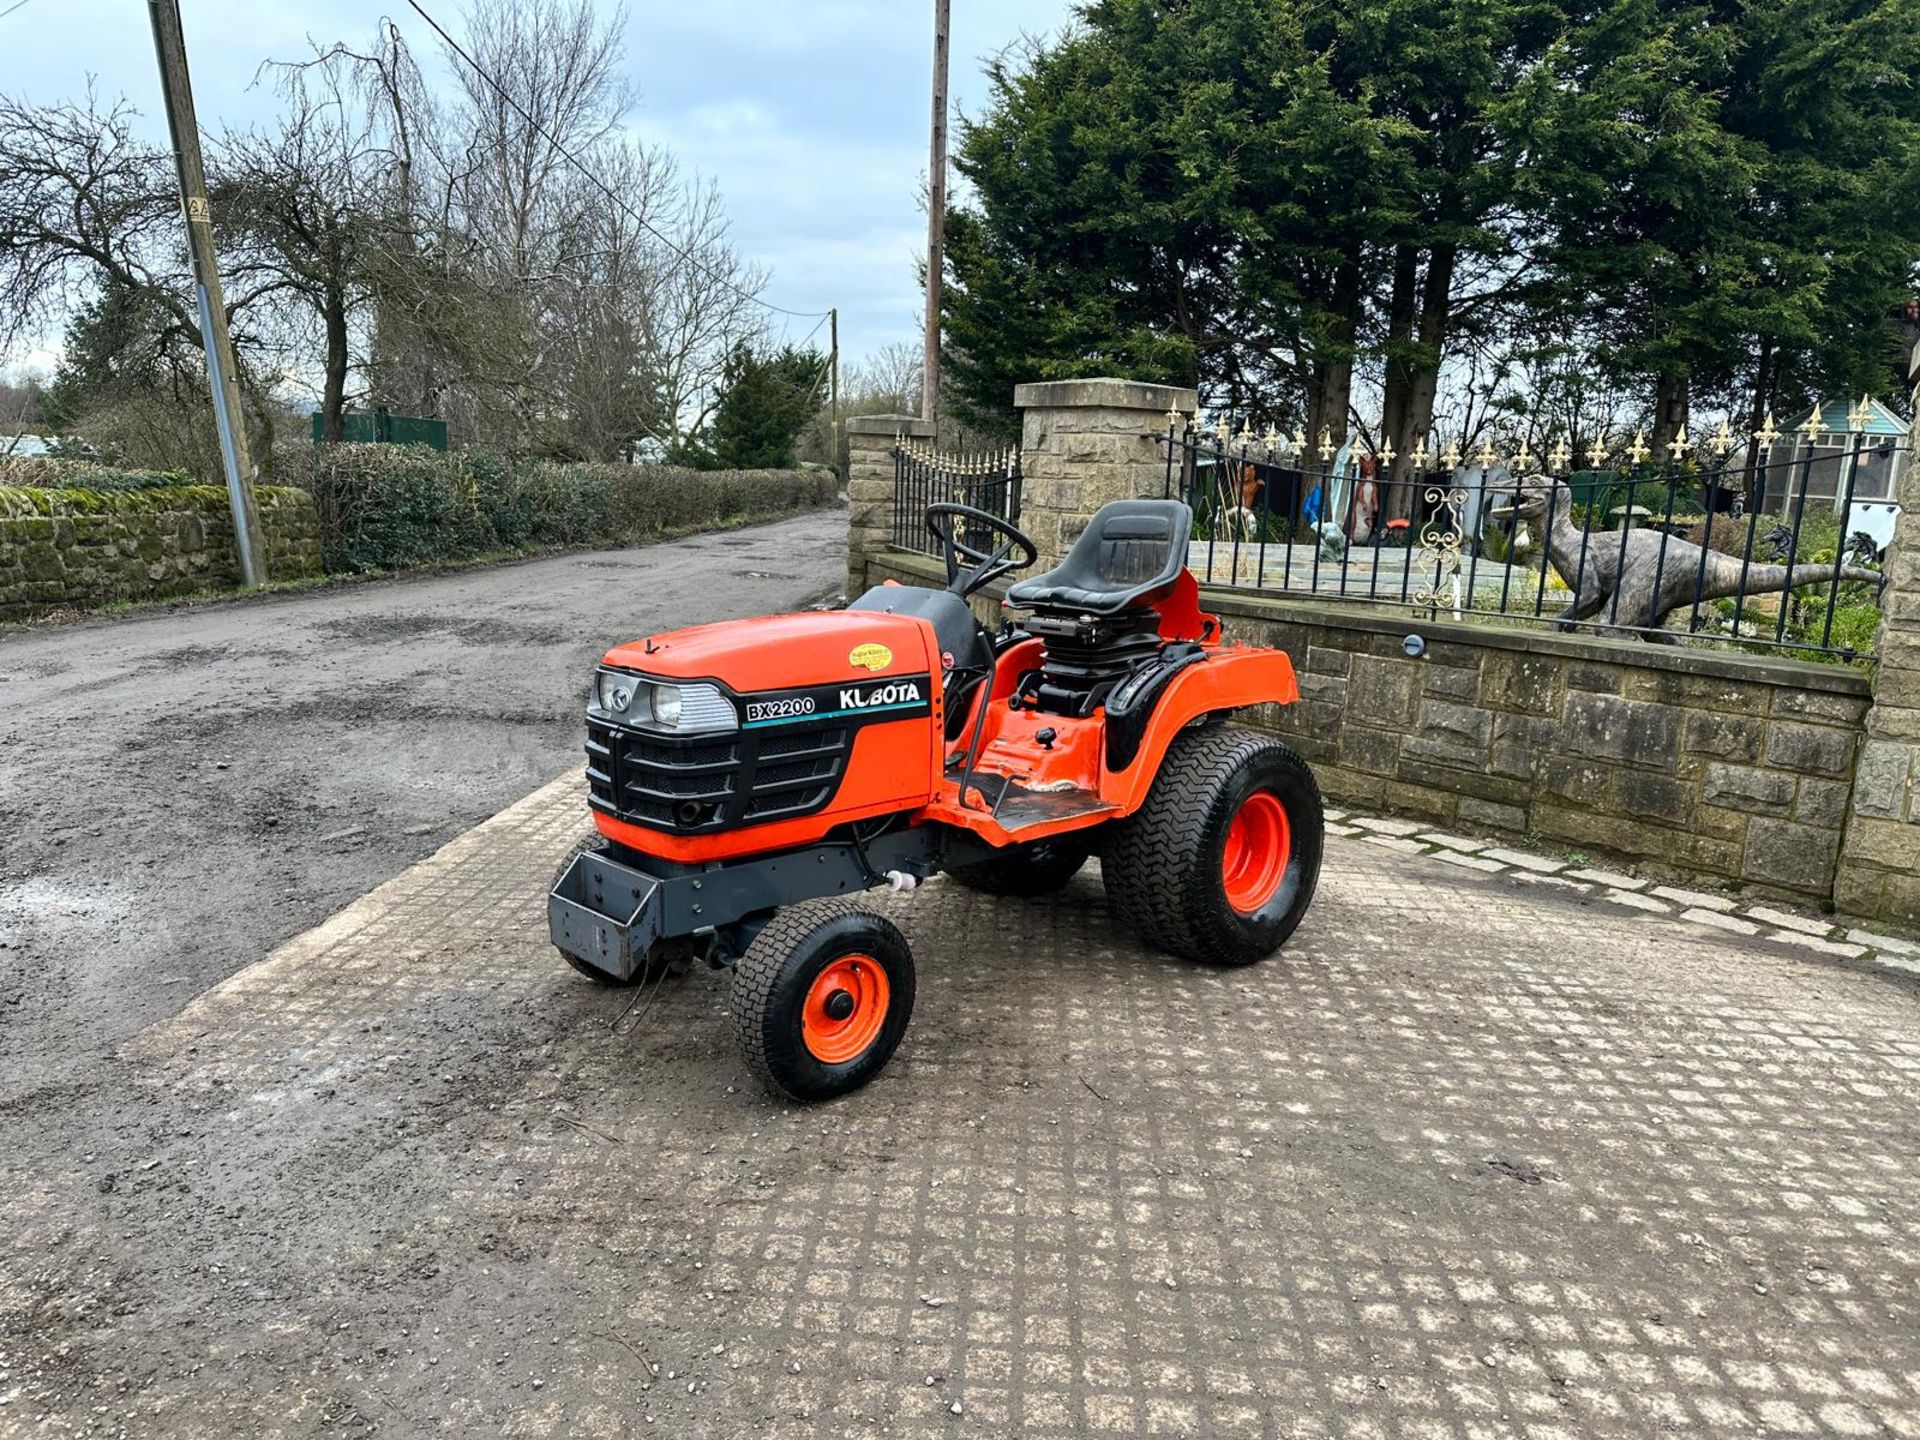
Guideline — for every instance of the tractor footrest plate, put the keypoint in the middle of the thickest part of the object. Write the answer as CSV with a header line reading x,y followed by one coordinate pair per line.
x,y
605,914
1021,809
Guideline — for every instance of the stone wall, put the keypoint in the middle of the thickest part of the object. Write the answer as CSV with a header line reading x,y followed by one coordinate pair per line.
x,y
1732,768
1880,874
870,443
1084,443
62,549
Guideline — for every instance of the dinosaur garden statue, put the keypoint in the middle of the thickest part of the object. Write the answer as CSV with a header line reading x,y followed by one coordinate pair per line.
x,y
1635,581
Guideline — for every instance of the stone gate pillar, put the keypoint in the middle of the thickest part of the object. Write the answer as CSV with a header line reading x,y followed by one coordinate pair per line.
x,y
1879,874
870,442
1085,442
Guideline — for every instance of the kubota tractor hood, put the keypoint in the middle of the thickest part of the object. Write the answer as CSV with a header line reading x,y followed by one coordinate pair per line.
x,y
777,652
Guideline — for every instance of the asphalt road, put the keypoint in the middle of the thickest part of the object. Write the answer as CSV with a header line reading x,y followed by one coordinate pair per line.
x,y
180,791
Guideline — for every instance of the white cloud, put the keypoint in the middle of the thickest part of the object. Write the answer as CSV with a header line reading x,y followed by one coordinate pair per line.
x,y
812,119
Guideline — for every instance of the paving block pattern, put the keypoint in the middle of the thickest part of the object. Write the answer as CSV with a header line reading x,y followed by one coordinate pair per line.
x,y
1472,1158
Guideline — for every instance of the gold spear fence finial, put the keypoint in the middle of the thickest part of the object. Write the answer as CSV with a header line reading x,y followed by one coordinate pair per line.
x,y
1387,452
1326,443
1275,442
1420,455
1298,444
1859,415
1678,446
1523,457
1485,455
1450,459
1723,439
1597,453
1638,451
1812,428
1558,457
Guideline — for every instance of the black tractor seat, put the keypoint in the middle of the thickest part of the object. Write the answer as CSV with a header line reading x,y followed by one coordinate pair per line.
x,y
1129,555
1094,611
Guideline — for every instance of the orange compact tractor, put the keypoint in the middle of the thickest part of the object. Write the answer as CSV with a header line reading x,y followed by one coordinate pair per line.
x,y
743,775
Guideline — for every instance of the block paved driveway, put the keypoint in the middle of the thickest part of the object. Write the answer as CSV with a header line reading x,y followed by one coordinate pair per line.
x,y
1472,1158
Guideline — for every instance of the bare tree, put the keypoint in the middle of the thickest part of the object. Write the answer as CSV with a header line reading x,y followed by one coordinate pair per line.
x,y
83,203
301,224
90,230
887,381
704,303
550,89
498,252
600,308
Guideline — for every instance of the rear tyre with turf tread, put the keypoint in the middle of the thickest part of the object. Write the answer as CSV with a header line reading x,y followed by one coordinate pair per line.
x,y
1172,870
648,970
794,1044
1038,868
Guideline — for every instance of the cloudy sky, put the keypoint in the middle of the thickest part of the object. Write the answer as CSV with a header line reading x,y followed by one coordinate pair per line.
x,y
812,117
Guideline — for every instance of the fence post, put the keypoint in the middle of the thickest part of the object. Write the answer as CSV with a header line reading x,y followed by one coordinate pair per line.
x,y
1085,442
1879,873
870,442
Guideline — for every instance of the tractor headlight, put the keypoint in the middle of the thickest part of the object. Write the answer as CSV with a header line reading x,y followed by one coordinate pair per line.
x,y
666,706
693,709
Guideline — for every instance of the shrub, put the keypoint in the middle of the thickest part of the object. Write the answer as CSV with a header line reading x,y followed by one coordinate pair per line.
x,y
1818,538
46,472
384,506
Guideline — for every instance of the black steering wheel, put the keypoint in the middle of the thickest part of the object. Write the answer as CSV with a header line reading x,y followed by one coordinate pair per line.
x,y
982,526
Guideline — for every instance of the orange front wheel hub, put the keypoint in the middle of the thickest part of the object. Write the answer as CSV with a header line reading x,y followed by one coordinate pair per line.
x,y
1259,844
846,1007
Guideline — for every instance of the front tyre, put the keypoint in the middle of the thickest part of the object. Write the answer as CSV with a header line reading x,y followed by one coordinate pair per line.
x,y
822,998
1220,863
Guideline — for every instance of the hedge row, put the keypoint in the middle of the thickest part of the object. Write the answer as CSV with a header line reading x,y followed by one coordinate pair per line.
x,y
387,506
47,473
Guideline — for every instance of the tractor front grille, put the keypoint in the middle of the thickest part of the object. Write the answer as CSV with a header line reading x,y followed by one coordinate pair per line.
x,y
706,783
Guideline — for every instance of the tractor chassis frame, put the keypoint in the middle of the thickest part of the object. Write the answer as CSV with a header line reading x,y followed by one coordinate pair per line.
x,y
611,912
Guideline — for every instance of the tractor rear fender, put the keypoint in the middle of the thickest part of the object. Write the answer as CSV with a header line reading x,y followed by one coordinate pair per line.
x,y
1186,687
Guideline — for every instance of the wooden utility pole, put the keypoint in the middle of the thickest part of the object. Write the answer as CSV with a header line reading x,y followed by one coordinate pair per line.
x,y
936,219
170,47
833,385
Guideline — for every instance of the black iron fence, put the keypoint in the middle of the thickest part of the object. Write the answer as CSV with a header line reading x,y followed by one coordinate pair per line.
x,y
1777,554
987,480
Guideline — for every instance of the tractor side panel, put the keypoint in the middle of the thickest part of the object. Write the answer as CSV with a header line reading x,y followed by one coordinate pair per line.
x,y
1230,678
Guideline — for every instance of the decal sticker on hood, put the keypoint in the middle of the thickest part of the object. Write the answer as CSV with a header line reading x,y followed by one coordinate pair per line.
x,y
899,698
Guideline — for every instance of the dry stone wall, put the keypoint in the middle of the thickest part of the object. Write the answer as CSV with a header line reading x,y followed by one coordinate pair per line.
x,y
63,549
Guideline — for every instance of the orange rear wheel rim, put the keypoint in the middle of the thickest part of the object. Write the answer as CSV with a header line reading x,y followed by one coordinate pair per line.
x,y
1259,844
845,1008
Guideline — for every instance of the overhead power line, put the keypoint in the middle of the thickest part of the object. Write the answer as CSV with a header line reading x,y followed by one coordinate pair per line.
x,y
17,5
613,195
